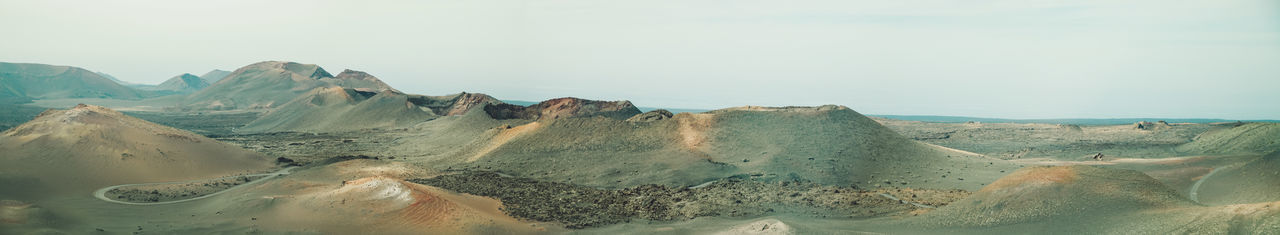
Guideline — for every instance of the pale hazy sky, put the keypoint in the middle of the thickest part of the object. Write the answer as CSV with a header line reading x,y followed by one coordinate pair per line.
x,y
1010,59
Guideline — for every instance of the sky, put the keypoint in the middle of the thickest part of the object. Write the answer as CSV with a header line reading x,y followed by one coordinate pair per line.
x,y
983,58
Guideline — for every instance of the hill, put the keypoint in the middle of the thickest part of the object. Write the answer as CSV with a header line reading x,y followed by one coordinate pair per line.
x,y
830,145
215,75
1074,193
41,81
373,196
331,109
271,84
184,83
1248,138
1252,182
1084,200
87,147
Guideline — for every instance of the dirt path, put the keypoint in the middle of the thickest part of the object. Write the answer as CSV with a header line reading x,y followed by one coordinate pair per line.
x,y
101,193
1195,188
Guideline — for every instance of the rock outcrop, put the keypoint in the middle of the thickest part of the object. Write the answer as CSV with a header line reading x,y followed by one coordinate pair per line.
x,y
568,107
655,115
452,105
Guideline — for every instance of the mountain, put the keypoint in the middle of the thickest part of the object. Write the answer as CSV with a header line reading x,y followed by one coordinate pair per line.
x,y
87,147
184,83
41,81
215,75
272,83
334,108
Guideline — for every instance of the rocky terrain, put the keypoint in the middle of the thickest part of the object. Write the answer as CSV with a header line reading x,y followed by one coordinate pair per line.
x,y
579,207
564,108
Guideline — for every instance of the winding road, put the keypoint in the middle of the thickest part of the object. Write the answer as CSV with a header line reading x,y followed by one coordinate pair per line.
x,y
102,193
